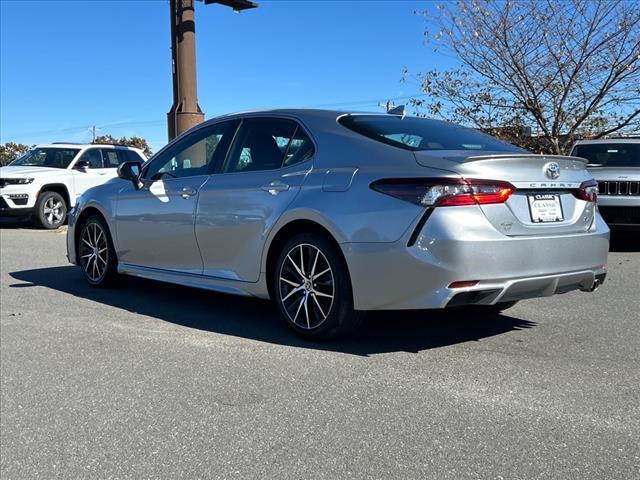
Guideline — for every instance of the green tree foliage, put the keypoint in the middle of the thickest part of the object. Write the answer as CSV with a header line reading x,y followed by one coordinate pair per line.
x,y
565,70
134,141
10,151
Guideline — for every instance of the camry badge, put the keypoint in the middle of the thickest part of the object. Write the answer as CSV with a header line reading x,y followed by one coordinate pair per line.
x,y
552,170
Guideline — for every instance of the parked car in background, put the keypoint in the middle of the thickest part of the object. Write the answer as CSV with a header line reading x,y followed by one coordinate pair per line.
x,y
46,181
615,164
332,213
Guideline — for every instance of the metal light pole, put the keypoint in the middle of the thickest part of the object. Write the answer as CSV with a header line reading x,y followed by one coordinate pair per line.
x,y
185,111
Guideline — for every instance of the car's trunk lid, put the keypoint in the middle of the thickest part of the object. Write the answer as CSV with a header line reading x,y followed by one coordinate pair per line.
x,y
531,175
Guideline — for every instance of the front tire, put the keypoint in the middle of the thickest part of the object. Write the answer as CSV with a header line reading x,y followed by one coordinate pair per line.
x,y
96,255
51,210
312,289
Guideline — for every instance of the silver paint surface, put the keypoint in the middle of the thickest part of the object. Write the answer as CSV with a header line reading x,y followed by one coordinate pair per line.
x,y
219,238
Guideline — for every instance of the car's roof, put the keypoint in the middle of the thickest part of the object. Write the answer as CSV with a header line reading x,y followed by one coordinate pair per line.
x,y
83,145
298,112
608,140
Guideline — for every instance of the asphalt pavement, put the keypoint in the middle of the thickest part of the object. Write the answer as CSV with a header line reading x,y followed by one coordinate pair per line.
x,y
156,381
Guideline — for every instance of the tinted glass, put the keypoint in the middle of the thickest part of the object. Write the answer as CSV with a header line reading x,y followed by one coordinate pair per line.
x,y
132,156
93,156
413,133
47,157
194,155
300,148
609,154
109,158
261,144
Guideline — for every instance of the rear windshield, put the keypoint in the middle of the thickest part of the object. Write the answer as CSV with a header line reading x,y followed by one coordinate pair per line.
x,y
413,133
609,154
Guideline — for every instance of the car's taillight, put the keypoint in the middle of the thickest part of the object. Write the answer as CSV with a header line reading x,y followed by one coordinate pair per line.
x,y
588,191
445,192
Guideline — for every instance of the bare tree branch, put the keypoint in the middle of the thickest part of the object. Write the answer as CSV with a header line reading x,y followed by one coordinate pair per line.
x,y
566,69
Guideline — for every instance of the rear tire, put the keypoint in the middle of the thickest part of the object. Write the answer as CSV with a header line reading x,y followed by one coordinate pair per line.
x,y
312,289
96,255
51,210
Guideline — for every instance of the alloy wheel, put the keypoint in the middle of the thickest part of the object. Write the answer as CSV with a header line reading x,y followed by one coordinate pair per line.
x,y
53,211
94,252
306,286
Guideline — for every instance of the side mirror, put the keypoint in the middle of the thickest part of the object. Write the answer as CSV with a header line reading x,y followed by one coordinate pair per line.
x,y
129,171
82,165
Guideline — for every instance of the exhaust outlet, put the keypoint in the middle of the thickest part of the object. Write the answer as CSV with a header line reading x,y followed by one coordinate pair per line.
x,y
594,287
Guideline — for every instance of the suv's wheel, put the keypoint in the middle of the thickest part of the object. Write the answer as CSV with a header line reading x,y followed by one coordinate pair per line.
x,y
51,210
313,290
96,255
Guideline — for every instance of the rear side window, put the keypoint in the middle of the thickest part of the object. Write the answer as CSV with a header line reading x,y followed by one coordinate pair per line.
x,y
109,158
267,144
411,133
129,156
609,154
134,156
300,148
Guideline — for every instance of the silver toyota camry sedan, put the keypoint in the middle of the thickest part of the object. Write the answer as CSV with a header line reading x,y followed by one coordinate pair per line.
x,y
331,214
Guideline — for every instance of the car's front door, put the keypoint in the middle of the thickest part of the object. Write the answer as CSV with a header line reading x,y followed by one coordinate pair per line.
x,y
155,223
239,205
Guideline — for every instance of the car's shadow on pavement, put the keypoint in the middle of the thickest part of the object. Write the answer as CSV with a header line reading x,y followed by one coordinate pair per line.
x,y
15,222
258,319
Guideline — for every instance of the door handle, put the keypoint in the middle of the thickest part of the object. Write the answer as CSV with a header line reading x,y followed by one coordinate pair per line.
x,y
276,187
187,192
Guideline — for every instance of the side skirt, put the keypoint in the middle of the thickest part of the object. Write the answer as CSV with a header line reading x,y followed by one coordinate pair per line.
x,y
232,287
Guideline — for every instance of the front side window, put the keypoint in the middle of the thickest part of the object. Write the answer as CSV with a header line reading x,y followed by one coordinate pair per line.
x,y
51,157
267,144
93,156
609,154
411,133
194,155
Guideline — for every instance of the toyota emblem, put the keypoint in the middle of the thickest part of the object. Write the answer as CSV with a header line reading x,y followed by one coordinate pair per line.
x,y
552,170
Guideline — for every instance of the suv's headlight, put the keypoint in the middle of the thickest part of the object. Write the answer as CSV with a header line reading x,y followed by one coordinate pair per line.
x,y
17,181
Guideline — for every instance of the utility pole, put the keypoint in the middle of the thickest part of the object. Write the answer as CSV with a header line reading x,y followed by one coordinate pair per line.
x,y
93,133
185,111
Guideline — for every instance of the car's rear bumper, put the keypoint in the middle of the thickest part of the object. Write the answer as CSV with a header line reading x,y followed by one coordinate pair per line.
x,y
396,276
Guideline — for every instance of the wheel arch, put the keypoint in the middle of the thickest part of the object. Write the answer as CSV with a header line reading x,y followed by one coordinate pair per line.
x,y
287,231
87,212
59,188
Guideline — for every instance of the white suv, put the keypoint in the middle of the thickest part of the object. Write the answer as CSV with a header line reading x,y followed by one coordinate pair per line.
x,y
615,164
46,181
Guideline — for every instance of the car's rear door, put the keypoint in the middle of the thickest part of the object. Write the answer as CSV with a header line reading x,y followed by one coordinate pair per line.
x,y
239,205
94,174
110,162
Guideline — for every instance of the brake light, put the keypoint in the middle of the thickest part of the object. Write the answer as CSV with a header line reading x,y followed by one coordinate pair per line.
x,y
445,192
588,191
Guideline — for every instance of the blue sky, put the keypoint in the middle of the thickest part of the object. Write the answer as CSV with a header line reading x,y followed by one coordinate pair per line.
x,y
67,65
